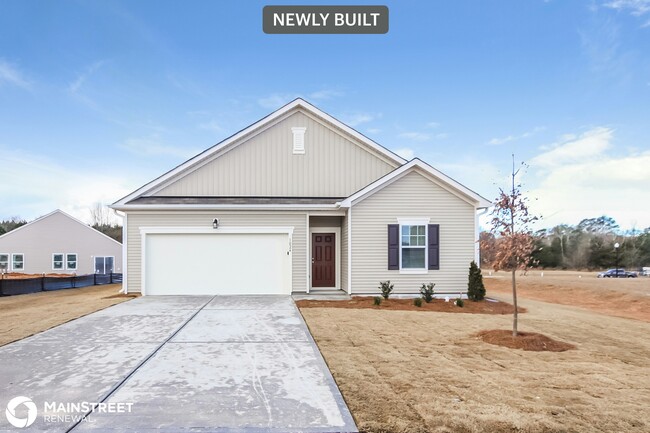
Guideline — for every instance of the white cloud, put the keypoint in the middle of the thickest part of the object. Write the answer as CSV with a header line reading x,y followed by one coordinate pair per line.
x,y
575,149
583,177
433,125
405,153
153,147
415,136
373,130
75,86
211,125
509,138
635,7
9,74
357,119
32,186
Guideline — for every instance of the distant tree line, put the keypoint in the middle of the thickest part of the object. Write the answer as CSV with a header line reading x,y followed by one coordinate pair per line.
x,y
10,224
588,245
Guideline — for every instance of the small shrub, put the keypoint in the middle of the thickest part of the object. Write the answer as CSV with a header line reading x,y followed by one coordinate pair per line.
x,y
377,300
417,302
475,287
427,291
459,302
386,287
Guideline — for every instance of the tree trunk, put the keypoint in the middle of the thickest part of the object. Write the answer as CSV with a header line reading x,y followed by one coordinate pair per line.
x,y
514,303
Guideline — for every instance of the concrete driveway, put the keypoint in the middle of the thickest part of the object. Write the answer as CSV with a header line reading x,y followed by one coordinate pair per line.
x,y
195,363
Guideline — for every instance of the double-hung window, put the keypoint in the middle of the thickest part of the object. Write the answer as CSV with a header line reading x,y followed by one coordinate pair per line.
x,y
17,262
413,246
71,261
4,262
57,261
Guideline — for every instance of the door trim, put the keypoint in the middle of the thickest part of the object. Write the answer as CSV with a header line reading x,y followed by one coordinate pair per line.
x,y
337,261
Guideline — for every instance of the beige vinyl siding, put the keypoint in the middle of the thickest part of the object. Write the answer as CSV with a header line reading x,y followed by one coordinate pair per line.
x,y
296,220
334,165
412,196
60,234
344,253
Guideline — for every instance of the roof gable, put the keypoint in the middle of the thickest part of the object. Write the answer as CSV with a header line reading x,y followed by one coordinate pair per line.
x,y
430,173
57,213
228,145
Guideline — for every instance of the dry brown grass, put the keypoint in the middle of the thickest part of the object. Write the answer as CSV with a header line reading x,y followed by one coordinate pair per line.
x,y
401,371
25,315
621,297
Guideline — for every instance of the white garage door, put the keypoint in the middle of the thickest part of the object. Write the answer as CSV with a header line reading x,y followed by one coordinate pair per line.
x,y
217,264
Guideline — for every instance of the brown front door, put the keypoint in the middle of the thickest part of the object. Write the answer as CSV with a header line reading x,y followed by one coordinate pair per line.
x,y
323,268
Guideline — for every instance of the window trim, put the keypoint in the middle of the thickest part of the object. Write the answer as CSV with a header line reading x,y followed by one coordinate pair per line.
x,y
104,257
62,268
414,222
13,261
76,261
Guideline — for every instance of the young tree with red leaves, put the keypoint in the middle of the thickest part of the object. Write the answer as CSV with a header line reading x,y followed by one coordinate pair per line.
x,y
511,222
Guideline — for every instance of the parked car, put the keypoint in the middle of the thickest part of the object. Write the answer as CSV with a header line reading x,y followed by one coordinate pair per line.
x,y
617,273
645,271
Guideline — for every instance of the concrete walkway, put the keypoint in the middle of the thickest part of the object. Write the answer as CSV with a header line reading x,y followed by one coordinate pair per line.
x,y
225,363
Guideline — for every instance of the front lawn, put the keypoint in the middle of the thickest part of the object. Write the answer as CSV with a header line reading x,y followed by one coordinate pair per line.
x,y
405,371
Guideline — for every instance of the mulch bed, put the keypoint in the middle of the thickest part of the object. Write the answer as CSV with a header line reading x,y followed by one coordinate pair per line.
x,y
439,305
531,341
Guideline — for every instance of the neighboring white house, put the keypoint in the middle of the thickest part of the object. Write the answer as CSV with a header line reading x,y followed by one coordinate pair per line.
x,y
59,243
299,202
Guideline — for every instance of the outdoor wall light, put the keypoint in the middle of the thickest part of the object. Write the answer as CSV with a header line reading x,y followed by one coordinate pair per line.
x,y
215,223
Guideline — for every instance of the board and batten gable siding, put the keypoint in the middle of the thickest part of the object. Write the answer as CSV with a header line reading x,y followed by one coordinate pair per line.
x,y
333,165
138,219
58,233
411,196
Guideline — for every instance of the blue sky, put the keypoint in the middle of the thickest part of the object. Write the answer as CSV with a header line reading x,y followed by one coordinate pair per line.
x,y
97,98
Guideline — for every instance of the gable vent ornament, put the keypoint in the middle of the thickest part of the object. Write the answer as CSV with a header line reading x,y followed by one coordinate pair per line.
x,y
298,140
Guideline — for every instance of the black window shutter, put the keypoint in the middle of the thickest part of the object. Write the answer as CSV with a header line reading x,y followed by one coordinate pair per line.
x,y
393,246
434,246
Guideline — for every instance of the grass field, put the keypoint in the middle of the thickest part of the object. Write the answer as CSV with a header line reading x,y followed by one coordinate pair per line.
x,y
403,371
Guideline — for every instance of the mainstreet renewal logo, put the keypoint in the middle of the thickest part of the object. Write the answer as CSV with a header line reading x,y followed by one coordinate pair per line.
x,y
19,421
58,411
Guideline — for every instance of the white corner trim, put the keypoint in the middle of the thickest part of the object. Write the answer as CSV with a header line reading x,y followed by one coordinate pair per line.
x,y
298,139
125,254
350,251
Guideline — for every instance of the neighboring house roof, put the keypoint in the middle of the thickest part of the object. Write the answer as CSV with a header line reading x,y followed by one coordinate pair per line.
x,y
58,211
434,175
238,138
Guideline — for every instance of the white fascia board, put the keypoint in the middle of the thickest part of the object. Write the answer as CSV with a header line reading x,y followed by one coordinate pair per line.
x,y
135,207
265,121
450,184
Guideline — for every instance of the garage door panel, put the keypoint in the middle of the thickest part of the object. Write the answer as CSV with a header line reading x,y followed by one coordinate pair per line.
x,y
217,264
